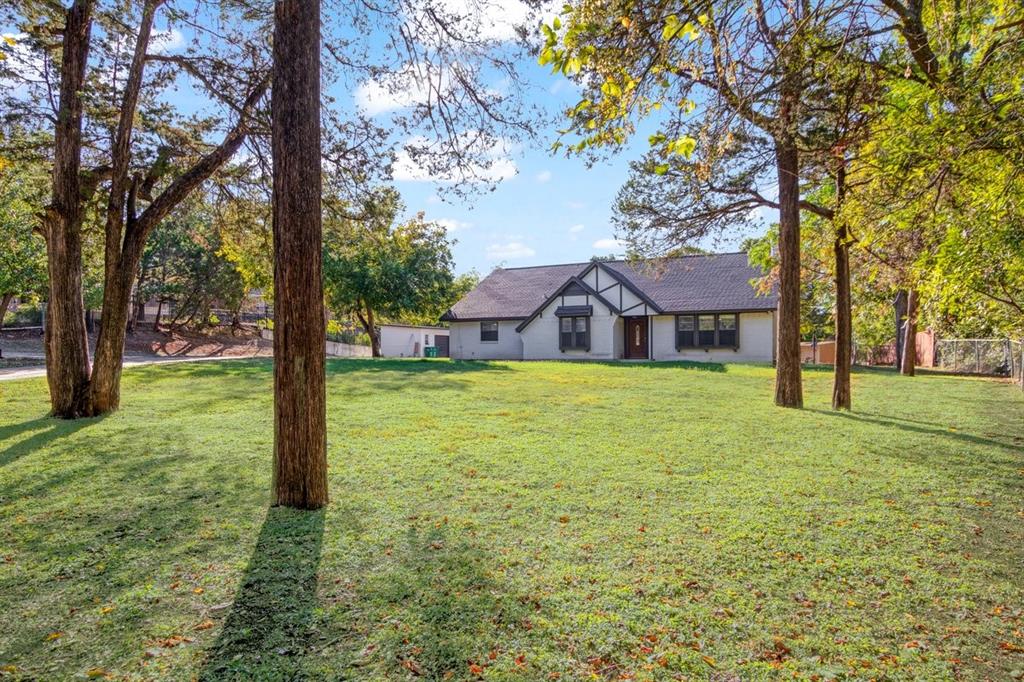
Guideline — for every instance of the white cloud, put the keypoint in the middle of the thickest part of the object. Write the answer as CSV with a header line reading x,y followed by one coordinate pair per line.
x,y
509,251
483,20
544,176
422,161
452,225
20,59
576,229
575,205
415,83
609,244
166,41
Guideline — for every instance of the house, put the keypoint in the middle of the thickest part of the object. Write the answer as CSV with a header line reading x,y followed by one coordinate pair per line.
x,y
408,340
701,307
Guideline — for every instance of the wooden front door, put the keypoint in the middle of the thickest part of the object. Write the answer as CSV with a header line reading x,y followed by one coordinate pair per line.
x,y
636,338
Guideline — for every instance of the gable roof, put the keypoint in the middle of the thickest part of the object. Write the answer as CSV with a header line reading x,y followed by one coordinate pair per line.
x,y
698,283
573,281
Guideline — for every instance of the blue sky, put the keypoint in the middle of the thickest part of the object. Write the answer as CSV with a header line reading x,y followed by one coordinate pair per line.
x,y
552,210
544,209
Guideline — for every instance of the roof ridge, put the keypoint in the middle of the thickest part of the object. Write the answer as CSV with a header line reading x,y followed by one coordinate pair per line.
x,y
623,260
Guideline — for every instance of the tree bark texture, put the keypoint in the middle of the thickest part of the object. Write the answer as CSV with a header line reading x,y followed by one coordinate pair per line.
x,y
788,387
842,398
66,341
300,431
5,304
909,359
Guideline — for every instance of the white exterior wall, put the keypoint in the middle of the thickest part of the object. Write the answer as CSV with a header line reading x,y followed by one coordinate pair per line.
x,y
465,344
407,342
540,338
757,341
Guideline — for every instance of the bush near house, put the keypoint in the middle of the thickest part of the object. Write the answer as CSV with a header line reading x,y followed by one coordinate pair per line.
x,y
518,521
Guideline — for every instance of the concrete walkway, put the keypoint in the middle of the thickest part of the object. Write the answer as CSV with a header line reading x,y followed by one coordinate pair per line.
x,y
13,373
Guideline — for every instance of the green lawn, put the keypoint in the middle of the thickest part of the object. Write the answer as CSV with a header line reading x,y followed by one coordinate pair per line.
x,y
519,521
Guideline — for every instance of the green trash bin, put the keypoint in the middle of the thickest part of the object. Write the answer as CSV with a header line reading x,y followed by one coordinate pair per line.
x,y
430,351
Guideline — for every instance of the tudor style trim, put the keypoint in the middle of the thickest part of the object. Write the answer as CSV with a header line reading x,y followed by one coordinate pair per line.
x,y
572,281
628,285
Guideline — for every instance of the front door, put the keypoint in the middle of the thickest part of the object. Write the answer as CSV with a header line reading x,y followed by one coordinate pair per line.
x,y
636,338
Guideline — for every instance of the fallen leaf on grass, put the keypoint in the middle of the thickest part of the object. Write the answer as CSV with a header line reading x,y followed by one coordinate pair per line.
x,y
54,635
710,661
205,625
98,672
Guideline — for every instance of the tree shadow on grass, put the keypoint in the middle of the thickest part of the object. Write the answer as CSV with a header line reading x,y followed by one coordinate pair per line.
x,y
266,632
48,429
919,428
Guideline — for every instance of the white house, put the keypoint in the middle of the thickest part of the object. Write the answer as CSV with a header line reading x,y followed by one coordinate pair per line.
x,y
703,308
408,341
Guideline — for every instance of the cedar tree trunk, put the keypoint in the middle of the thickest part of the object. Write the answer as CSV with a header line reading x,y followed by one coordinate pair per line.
x,y
910,336
788,388
66,341
841,394
300,430
5,303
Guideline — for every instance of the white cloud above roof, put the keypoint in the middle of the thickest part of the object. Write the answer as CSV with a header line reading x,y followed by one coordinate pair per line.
x,y
512,250
609,244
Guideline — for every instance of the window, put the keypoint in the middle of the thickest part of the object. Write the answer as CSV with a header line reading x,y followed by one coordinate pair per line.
x,y
685,325
426,339
488,332
574,333
707,330
727,330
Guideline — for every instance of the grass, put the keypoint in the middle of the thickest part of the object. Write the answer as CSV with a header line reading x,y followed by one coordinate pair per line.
x,y
519,521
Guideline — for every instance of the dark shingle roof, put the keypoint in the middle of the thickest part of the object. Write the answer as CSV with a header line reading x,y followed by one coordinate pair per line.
x,y
698,283
676,285
512,293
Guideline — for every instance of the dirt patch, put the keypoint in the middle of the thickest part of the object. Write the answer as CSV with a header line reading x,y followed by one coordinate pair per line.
x,y
147,343
212,344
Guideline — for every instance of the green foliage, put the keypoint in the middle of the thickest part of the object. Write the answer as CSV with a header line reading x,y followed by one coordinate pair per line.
x,y
377,267
183,263
22,252
494,515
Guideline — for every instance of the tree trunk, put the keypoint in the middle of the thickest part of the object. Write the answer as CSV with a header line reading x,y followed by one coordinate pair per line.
x,y
371,331
842,398
300,430
5,304
105,387
788,387
159,311
66,341
910,336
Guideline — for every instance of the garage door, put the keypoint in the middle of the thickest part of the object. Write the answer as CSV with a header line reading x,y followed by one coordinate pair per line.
x,y
442,346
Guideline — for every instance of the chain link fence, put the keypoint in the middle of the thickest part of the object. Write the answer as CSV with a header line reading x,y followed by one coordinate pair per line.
x,y
991,357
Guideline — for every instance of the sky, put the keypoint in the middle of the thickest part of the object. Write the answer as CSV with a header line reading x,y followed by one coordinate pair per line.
x,y
547,208
544,208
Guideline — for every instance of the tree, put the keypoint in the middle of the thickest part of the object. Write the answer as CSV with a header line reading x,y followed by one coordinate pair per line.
x,y
300,413
376,268
733,78
22,253
147,158
184,264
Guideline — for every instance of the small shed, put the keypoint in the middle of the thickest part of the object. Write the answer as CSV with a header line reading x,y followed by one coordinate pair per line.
x,y
409,341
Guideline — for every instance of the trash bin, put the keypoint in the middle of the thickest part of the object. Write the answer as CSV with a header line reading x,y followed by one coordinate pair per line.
x,y
430,351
